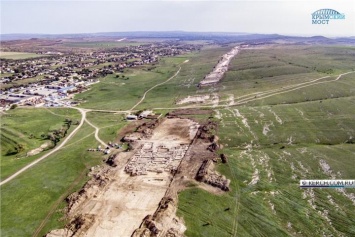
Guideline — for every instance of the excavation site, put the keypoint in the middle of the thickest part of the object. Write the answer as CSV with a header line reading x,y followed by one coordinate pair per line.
x,y
135,192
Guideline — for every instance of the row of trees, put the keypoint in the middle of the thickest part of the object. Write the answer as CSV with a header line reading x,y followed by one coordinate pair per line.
x,y
57,134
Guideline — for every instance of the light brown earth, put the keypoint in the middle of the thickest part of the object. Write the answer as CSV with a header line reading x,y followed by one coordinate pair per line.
x,y
39,149
194,99
220,69
120,208
200,99
114,203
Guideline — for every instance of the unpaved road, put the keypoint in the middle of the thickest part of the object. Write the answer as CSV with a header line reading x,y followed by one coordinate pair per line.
x,y
96,133
145,93
118,207
293,88
262,95
249,98
83,117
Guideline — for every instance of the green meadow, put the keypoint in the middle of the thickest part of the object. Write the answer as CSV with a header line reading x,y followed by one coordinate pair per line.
x,y
19,55
273,142
282,116
23,130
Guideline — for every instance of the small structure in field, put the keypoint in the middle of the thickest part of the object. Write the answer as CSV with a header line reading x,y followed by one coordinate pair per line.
x,y
145,114
131,117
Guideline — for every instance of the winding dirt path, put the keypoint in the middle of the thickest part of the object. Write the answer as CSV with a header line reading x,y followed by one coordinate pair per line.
x,y
96,133
17,173
238,102
162,83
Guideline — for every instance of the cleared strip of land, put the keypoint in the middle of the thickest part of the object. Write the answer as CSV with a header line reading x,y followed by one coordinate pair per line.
x,y
220,69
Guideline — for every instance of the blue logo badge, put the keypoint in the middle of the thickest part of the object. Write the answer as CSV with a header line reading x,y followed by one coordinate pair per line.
x,y
323,16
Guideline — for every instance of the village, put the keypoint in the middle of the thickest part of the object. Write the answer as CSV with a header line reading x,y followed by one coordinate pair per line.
x,y
52,80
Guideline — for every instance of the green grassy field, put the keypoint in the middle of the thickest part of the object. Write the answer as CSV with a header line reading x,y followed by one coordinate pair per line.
x,y
121,94
258,70
53,179
276,146
27,200
185,83
108,123
274,142
18,55
22,130
273,208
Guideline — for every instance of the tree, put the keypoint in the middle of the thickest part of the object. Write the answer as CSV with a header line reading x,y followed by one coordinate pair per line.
x,y
68,121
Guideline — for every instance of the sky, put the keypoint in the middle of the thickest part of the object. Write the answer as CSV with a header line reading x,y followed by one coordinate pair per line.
x,y
288,17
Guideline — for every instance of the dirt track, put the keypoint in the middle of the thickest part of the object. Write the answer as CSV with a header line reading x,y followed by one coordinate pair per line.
x,y
83,117
145,93
117,206
261,95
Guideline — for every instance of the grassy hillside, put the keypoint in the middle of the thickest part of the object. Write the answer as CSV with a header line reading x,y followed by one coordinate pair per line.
x,y
258,70
123,92
19,55
285,116
36,197
275,139
65,171
109,124
23,130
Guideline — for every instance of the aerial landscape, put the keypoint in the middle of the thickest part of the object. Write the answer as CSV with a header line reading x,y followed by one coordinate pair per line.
x,y
162,129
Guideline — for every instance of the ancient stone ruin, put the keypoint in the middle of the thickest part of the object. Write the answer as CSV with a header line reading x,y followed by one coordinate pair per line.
x,y
208,175
152,157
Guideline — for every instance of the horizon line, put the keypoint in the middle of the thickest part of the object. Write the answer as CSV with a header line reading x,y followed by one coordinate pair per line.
x,y
177,31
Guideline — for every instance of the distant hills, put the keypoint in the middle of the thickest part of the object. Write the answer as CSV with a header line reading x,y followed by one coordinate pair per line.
x,y
220,37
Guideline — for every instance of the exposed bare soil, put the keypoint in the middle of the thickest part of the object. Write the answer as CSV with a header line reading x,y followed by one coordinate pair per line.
x,y
115,203
39,149
220,69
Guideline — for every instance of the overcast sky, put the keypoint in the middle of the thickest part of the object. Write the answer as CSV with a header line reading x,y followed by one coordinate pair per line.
x,y
278,16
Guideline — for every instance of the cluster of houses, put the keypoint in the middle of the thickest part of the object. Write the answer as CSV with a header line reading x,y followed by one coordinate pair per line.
x,y
50,80
89,65
55,94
